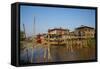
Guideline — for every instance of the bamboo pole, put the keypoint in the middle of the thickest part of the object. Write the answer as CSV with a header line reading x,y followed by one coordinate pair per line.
x,y
49,55
33,40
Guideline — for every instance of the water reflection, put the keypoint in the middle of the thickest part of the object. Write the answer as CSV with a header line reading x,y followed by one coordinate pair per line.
x,y
39,53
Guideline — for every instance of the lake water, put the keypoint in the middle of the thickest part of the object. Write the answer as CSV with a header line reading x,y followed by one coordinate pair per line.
x,y
40,54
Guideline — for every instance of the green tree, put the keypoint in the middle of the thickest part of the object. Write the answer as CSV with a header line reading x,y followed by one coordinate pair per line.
x,y
22,35
91,42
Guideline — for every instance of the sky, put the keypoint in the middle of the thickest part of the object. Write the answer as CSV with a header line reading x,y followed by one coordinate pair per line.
x,y
53,17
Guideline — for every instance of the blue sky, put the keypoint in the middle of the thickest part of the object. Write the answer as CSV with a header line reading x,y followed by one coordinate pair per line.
x,y
52,17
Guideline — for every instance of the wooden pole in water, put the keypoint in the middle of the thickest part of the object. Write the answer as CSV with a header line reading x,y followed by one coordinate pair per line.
x,y
45,50
33,40
32,55
27,55
49,55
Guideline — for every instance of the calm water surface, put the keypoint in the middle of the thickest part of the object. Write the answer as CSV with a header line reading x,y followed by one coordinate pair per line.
x,y
40,54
